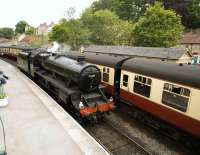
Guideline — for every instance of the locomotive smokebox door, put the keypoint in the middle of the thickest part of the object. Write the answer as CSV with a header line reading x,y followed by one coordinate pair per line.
x,y
90,78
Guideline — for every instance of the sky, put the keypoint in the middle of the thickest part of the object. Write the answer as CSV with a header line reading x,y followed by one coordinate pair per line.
x,y
37,11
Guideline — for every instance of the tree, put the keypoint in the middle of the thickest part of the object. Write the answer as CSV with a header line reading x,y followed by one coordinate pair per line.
x,y
70,13
131,10
106,28
59,33
87,18
194,13
158,28
20,27
78,34
103,5
70,32
30,31
188,9
6,32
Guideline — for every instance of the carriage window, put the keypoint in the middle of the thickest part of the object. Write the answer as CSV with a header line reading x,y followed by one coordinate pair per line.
x,y
125,80
176,97
176,90
186,92
142,85
106,74
149,81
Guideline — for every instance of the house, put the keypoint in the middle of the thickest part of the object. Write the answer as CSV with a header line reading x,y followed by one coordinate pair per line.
x,y
191,41
43,29
175,54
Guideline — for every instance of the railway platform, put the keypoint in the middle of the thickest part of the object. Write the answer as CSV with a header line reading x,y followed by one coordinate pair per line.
x,y
35,124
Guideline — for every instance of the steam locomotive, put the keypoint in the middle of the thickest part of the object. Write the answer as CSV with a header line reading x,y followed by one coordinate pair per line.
x,y
72,81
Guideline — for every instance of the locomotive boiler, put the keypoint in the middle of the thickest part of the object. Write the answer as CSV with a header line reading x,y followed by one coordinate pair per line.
x,y
87,77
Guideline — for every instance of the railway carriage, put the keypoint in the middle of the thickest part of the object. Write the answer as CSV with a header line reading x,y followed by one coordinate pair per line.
x,y
12,51
168,91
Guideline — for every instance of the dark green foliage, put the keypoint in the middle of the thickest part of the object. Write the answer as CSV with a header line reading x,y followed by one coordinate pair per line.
x,y
6,32
103,5
20,27
158,28
194,13
189,10
130,10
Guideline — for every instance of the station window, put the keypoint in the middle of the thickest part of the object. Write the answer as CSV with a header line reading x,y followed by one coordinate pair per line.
x,y
106,72
176,97
125,80
142,85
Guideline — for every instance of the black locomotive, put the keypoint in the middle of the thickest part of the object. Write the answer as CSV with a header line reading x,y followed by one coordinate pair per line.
x,y
72,81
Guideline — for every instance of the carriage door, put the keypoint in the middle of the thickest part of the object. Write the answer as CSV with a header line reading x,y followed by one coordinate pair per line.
x,y
125,82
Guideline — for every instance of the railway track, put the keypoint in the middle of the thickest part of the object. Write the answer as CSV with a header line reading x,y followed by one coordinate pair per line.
x,y
114,140
151,139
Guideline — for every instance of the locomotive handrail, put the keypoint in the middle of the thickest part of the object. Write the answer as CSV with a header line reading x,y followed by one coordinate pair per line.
x,y
103,95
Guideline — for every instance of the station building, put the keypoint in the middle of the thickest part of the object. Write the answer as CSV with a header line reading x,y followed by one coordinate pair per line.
x,y
174,54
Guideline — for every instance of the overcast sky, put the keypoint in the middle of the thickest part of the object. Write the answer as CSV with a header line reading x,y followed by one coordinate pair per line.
x,y
37,11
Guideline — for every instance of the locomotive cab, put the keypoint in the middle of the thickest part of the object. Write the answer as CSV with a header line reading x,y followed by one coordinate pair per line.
x,y
37,57
23,61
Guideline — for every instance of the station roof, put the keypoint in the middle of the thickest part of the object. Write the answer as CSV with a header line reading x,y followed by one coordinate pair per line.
x,y
174,53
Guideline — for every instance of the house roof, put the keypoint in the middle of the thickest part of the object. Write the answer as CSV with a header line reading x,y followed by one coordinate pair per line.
x,y
190,38
151,52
